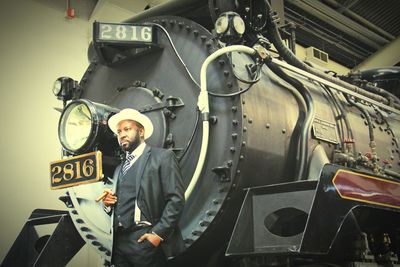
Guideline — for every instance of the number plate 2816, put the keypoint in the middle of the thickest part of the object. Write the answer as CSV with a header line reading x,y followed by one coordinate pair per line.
x,y
82,169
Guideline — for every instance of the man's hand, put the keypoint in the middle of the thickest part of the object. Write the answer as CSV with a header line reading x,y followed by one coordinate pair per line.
x,y
152,238
108,198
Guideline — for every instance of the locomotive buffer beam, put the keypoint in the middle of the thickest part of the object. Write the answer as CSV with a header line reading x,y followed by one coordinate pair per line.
x,y
56,249
328,217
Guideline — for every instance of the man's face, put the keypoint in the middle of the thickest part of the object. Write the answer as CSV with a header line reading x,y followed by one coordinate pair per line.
x,y
130,136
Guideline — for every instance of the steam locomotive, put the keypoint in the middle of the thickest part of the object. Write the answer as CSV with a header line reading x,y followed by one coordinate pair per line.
x,y
284,165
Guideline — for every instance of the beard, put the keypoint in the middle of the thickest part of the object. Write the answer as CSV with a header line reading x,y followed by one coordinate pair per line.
x,y
131,144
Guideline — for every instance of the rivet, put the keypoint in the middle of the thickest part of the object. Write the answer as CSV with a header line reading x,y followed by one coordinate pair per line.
x,y
362,115
221,62
226,73
196,32
171,22
244,115
96,243
188,28
85,229
196,232
365,122
84,80
203,38
232,149
244,143
391,157
79,221
267,125
211,213
89,236
74,212
234,136
235,122
250,121
241,157
238,171
229,163
180,24
283,130
90,70
245,129
229,84
380,128
216,201
243,102
204,223
234,108
163,21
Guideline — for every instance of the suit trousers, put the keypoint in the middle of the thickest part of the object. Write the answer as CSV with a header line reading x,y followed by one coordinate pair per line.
x,y
128,252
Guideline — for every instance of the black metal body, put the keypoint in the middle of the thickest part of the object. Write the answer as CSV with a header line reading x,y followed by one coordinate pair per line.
x,y
57,249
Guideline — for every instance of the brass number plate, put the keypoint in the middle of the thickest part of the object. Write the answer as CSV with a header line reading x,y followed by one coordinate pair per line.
x,y
82,169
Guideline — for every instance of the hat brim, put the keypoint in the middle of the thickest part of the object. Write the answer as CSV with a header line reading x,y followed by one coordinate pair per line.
x,y
131,114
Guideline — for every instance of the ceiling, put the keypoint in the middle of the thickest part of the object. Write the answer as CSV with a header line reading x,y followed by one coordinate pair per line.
x,y
350,31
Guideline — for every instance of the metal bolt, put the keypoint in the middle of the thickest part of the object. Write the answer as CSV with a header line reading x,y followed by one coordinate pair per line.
x,y
245,129
235,122
234,108
232,149
234,136
283,131
267,126
250,121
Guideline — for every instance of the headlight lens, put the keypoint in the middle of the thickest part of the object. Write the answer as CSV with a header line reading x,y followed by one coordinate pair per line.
x,y
221,25
75,126
238,23
83,127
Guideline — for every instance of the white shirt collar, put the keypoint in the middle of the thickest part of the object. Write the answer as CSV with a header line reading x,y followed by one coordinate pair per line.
x,y
138,151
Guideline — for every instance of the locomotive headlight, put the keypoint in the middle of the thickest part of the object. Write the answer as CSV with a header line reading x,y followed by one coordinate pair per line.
x,y
230,27
64,88
83,125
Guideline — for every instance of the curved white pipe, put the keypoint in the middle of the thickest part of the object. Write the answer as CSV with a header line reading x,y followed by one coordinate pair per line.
x,y
204,108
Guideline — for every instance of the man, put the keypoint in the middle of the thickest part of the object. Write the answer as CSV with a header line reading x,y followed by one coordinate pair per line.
x,y
149,196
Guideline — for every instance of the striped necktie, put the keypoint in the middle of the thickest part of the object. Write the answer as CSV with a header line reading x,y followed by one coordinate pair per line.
x,y
127,163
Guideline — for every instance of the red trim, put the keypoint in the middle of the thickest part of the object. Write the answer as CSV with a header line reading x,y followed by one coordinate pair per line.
x,y
364,188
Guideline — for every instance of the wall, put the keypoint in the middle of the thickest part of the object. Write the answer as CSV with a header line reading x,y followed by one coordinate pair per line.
x,y
38,45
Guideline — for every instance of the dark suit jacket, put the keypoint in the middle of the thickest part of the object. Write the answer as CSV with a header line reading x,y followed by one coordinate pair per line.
x,y
160,195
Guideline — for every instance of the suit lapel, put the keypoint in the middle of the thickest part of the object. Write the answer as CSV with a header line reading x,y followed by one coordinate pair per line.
x,y
142,161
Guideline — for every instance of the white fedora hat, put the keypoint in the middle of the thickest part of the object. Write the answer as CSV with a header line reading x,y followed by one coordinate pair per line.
x,y
131,114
